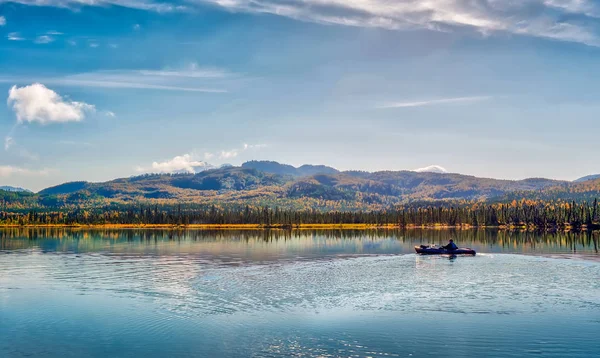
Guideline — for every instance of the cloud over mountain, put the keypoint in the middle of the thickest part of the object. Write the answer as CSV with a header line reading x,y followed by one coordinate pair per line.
x,y
432,169
180,164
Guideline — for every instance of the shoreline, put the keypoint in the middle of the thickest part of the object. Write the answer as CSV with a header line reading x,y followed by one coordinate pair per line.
x,y
294,227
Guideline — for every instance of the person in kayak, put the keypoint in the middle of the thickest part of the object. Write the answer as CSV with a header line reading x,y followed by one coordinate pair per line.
x,y
451,246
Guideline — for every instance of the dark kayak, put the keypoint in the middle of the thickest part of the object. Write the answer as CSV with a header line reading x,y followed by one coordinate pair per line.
x,y
432,250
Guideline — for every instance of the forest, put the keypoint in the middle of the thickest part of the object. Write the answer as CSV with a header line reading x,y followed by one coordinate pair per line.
x,y
516,214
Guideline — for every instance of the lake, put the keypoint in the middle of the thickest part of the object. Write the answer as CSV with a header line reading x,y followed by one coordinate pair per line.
x,y
160,293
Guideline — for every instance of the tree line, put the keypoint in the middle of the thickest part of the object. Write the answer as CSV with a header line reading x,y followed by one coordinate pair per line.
x,y
524,213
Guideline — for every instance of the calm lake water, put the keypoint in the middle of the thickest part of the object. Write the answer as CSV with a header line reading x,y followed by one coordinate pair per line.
x,y
153,293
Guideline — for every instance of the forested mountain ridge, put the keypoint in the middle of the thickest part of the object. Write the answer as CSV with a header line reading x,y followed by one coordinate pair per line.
x,y
14,189
587,178
306,187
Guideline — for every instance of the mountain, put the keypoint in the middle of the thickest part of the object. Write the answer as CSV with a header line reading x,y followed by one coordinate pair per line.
x,y
285,169
260,183
14,189
586,178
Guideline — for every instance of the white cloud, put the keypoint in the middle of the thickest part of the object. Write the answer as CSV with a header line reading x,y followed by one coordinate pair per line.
x,y
2,21
94,45
539,18
136,27
14,36
436,101
432,169
110,114
182,163
44,39
564,20
8,170
191,163
36,103
56,33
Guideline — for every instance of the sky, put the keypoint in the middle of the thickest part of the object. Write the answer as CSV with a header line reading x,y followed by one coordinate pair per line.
x,y
97,90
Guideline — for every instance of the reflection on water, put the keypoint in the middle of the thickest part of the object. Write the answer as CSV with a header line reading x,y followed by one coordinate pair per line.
x,y
290,243
152,293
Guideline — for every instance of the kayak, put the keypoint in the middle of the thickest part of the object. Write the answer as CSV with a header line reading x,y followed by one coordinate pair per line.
x,y
434,250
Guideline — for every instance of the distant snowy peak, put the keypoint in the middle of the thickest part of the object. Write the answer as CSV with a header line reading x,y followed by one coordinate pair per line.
x,y
432,169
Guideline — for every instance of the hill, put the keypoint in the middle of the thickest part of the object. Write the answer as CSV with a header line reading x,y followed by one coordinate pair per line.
x,y
301,188
586,178
285,169
14,189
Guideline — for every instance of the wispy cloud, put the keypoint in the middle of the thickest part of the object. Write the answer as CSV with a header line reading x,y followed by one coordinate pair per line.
x,y
228,154
232,153
74,143
96,80
254,146
8,142
149,5
189,78
11,145
190,70
102,83
14,36
8,171
2,21
564,20
54,33
435,102
551,19
44,39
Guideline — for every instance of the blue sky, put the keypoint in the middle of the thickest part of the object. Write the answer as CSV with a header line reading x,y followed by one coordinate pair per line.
x,y
490,88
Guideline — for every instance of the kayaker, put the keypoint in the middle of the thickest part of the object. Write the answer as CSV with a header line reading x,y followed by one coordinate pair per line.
x,y
451,246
